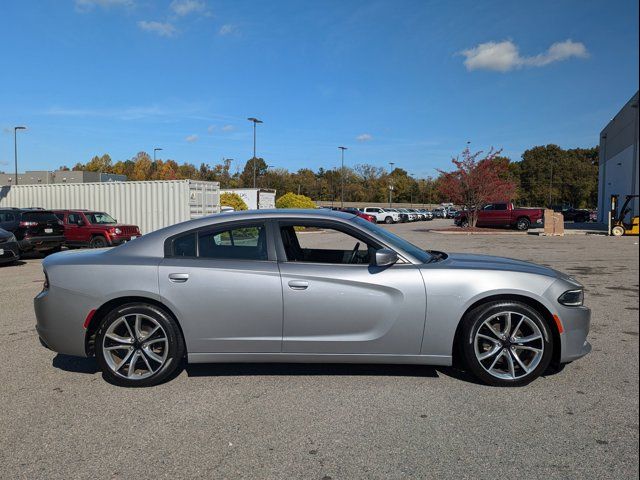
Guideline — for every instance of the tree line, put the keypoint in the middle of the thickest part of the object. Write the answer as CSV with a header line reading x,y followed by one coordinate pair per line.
x,y
545,175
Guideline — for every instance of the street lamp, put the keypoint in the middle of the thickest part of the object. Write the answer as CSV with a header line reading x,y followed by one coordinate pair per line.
x,y
154,153
342,149
15,148
255,121
391,164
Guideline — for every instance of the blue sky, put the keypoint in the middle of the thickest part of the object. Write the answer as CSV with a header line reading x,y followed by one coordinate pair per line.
x,y
403,81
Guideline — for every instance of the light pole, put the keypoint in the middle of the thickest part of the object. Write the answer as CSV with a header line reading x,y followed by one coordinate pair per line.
x,y
342,149
391,164
255,121
15,148
154,153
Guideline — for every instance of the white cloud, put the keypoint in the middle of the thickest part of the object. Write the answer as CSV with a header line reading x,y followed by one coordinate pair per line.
x,y
227,29
504,56
228,128
211,128
163,29
85,5
192,138
186,7
4,162
365,137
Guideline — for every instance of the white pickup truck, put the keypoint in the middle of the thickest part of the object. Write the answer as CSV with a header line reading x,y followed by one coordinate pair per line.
x,y
382,215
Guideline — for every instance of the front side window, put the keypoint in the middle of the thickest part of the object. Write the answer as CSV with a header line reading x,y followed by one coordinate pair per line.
x,y
100,218
320,244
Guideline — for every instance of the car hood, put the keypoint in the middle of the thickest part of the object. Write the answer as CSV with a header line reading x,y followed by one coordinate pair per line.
x,y
489,262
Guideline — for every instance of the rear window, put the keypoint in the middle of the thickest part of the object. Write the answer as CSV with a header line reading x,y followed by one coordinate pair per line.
x,y
39,216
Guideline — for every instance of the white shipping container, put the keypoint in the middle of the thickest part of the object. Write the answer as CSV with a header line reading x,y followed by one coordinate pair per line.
x,y
255,197
150,205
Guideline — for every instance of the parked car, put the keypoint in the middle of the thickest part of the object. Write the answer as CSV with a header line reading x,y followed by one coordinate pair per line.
x,y
440,212
427,213
9,250
421,216
355,211
86,228
570,214
250,287
404,217
383,214
503,214
412,216
34,229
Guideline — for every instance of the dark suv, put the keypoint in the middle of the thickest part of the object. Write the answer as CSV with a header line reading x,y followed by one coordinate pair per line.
x,y
34,228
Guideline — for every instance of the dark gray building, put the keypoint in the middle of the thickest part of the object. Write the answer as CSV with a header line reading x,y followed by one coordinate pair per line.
x,y
44,177
619,158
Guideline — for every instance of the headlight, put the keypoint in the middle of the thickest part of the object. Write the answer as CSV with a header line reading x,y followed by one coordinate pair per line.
x,y
117,231
572,298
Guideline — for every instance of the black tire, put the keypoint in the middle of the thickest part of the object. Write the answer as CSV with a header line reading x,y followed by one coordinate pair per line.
x,y
474,320
523,224
464,223
174,345
388,220
98,242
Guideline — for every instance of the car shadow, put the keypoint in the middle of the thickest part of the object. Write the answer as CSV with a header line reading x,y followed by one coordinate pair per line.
x,y
17,263
75,364
307,369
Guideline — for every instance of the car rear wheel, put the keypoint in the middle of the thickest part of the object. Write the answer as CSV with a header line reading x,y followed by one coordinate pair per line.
x,y
98,242
523,224
139,345
506,344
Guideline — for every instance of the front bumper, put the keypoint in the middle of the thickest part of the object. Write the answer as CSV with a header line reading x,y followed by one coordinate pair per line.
x,y
576,322
41,243
120,239
10,252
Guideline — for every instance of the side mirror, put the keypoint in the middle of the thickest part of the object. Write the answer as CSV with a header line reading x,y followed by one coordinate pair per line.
x,y
385,257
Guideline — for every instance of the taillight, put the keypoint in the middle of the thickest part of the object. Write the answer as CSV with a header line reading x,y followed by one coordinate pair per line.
x,y
28,224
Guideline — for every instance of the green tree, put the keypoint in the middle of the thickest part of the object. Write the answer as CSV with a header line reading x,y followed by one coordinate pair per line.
x,y
233,200
293,200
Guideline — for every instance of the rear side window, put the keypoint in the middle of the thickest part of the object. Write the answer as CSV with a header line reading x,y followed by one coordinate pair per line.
x,y
500,206
39,217
185,246
247,242
7,217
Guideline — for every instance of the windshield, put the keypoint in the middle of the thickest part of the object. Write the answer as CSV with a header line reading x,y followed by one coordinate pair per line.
x,y
99,218
395,240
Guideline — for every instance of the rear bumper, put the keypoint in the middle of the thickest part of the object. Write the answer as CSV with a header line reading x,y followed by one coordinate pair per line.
x,y
41,243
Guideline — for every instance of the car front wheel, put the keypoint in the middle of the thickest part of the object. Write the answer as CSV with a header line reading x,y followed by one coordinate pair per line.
x,y
99,242
388,220
506,344
139,345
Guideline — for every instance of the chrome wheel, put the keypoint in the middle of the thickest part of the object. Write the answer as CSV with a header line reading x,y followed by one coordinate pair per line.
x,y
509,345
135,346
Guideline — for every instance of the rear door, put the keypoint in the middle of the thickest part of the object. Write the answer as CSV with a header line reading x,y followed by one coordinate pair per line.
x,y
224,284
8,220
336,303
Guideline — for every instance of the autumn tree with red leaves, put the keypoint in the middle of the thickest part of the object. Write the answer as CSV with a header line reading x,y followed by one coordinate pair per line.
x,y
476,181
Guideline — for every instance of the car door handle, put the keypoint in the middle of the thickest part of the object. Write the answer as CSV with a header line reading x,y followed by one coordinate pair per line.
x,y
298,285
178,277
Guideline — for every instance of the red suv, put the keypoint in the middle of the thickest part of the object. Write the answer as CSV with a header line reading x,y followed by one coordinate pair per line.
x,y
85,228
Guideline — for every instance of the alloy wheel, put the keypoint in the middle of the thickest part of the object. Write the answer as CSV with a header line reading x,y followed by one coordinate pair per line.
x,y
135,346
509,345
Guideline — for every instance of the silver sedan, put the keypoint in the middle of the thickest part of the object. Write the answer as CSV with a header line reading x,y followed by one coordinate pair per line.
x,y
305,286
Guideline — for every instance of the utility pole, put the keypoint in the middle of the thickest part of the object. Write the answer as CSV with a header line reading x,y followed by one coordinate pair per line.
x,y
551,186
342,149
391,164
255,122
15,149
154,153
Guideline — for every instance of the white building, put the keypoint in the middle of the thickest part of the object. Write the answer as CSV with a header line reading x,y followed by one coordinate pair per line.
x,y
619,159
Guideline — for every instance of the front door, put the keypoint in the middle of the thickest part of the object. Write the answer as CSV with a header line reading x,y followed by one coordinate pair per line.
x,y
224,284
335,302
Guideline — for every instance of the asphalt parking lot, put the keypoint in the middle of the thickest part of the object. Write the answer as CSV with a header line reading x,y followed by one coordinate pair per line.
x,y
59,419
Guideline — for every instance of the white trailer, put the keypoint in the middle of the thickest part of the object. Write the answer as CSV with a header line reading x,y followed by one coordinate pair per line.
x,y
150,205
255,198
